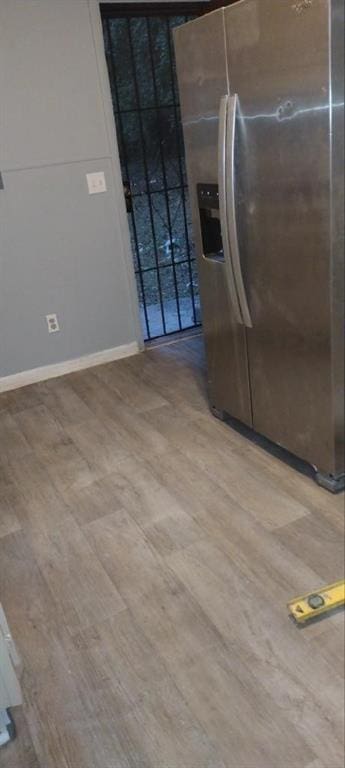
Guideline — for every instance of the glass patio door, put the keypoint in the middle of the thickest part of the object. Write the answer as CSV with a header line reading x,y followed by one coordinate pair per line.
x,y
140,58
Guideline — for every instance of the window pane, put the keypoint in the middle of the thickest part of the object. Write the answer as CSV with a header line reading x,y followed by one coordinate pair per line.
x,y
161,226
134,151
170,147
145,238
178,225
153,306
169,296
184,282
119,41
142,61
154,137
159,33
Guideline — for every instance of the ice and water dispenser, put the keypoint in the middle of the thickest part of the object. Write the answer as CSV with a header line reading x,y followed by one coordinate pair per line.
x,y
208,201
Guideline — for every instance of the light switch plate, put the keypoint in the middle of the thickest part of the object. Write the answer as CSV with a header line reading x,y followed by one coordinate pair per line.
x,y
96,183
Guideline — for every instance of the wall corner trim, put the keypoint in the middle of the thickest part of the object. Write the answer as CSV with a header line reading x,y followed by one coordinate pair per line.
x,y
25,378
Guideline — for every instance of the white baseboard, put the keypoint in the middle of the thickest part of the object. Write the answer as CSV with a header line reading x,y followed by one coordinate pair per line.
x,y
24,378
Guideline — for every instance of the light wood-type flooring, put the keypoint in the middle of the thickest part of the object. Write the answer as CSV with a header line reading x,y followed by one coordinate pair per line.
x,y
147,552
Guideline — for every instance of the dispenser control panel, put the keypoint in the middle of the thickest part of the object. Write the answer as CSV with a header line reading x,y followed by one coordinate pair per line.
x,y
208,201
208,196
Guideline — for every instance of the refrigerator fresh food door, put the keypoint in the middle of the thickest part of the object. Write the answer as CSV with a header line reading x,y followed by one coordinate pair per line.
x,y
337,61
279,72
205,106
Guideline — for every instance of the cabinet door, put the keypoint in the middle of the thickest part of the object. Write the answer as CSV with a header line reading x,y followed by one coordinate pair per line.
x,y
51,101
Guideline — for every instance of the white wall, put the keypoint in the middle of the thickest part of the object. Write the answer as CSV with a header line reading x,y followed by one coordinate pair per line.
x,y
61,250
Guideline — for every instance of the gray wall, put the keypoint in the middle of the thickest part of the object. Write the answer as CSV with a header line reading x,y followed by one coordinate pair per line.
x,y
61,250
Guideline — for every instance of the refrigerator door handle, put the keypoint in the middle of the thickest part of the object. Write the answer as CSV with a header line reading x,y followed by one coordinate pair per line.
x,y
231,207
222,158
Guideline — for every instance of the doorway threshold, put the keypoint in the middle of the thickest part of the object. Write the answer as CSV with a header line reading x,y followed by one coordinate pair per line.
x,y
174,338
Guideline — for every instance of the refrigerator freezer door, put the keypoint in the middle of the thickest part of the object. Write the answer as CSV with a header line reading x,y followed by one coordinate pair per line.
x,y
279,65
203,83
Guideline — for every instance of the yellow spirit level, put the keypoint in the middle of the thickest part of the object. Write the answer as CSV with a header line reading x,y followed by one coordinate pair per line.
x,y
315,603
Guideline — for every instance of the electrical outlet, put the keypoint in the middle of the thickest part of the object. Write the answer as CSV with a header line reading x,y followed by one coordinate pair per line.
x,y
96,183
52,323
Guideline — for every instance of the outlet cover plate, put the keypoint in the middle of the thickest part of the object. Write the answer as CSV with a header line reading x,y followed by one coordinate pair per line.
x,y
52,323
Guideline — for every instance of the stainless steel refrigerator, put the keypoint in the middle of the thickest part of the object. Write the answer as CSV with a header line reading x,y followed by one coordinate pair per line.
x,y
262,97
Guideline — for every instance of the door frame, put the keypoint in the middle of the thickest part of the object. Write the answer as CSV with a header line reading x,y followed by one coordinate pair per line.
x,y
197,7
120,213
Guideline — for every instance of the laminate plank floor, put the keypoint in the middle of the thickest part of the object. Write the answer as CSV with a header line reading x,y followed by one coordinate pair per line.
x,y
147,552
